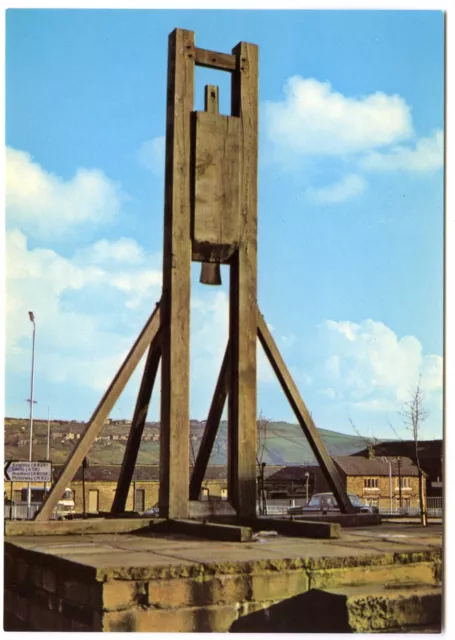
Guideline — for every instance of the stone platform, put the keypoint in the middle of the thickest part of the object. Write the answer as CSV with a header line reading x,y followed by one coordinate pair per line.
x,y
382,578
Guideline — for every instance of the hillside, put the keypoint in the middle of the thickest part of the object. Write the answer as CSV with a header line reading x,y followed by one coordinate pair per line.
x,y
281,443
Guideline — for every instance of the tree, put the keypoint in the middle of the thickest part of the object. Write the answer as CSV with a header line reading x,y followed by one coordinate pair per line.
x,y
414,414
370,444
262,427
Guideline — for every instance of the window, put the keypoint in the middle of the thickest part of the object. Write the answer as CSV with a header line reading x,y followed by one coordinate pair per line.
x,y
315,502
371,483
405,483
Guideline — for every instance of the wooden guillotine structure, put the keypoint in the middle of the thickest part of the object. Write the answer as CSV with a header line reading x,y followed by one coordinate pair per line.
x,y
210,216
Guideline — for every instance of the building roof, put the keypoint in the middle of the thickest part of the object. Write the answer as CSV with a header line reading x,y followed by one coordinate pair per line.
x,y
426,448
361,466
351,465
291,473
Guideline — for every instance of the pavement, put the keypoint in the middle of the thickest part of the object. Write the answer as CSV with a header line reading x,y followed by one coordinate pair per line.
x,y
147,554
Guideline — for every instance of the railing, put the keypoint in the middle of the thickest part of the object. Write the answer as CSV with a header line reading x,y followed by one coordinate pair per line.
x,y
434,510
21,510
276,509
24,511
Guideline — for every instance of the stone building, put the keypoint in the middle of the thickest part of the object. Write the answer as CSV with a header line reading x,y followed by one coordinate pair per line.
x,y
368,478
430,454
101,483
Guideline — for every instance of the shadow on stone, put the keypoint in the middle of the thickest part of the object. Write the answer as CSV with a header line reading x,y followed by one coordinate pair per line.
x,y
314,611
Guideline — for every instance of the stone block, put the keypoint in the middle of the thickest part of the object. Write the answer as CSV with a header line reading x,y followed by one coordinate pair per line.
x,y
81,593
123,594
81,614
207,590
16,604
399,608
278,585
48,580
379,574
187,620
22,569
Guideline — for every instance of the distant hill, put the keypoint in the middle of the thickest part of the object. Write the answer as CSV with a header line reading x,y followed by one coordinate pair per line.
x,y
281,443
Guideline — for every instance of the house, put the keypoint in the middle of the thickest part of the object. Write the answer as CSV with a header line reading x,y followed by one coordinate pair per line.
x,y
370,479
379,482
430,454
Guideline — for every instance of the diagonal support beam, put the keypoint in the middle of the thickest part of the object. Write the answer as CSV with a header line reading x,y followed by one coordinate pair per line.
x,y
303,415
211,427
137,425
100,414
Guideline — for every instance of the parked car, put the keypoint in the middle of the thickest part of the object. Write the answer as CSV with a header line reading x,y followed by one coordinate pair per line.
x,y
326,503
153,511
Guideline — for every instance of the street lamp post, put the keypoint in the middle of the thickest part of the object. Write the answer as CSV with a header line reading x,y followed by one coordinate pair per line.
x,y
390,482
48,457
30,450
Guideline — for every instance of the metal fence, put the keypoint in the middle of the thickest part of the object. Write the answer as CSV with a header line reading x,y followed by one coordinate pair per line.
x,y
21,510
434,509
25,511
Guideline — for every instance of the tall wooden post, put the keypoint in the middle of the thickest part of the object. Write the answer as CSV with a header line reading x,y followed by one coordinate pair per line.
x,y
243,292
174,437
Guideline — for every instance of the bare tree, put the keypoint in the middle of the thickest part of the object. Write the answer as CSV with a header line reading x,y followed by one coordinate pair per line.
x,y
370,443
393,428
262,429
414,414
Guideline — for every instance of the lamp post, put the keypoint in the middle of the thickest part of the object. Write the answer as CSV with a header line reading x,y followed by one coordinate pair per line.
x,y
390,482
48,457
32,385
307,476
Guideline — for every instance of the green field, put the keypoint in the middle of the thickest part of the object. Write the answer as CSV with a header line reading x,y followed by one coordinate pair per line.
x,y
281,443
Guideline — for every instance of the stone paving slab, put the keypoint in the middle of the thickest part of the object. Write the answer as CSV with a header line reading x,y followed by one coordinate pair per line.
x,y
145,549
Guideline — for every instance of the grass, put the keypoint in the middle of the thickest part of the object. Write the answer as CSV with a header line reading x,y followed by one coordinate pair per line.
x,y
284,444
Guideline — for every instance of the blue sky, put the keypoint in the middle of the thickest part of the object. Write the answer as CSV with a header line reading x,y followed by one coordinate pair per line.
x,y
350,206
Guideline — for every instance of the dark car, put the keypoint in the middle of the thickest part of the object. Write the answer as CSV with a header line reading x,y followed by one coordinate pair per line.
x,y
326,503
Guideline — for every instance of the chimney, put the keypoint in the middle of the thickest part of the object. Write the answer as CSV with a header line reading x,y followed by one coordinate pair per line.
x,y
371,452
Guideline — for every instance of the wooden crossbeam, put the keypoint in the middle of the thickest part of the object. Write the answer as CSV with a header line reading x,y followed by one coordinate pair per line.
x,y
137,425
215,60
211,428
100,414
303,415
208,530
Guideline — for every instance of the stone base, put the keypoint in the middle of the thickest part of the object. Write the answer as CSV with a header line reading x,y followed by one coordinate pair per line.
x,y
145,581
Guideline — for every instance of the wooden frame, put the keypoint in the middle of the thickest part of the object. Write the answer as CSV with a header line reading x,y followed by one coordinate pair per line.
x,y
222,146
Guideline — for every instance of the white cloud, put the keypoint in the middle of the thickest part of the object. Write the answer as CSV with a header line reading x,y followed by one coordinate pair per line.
x,y
151,155
349,187
47,206
370,367
84,324
75,336
314,119
124,250
427,155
